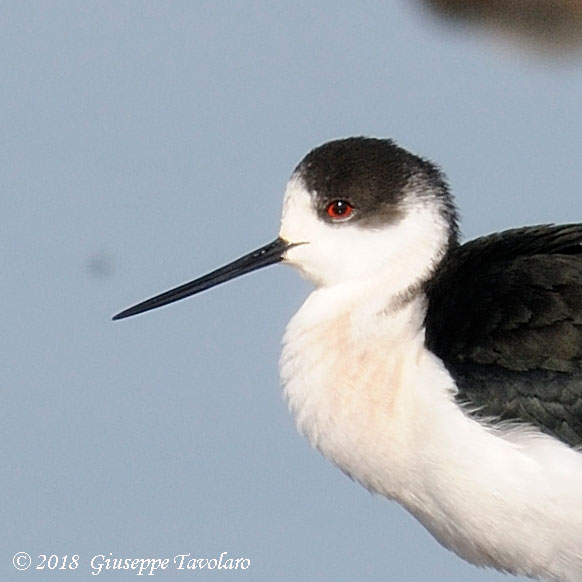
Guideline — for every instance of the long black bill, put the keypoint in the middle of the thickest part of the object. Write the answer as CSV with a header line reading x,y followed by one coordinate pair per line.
x,y
267,255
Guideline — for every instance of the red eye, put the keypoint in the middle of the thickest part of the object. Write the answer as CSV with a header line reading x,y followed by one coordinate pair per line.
x,y
339,209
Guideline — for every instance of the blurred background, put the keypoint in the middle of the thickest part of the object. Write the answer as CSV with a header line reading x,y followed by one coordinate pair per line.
x,y
144,143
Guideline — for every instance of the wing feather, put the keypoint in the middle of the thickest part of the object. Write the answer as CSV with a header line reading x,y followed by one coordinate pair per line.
x,y
505,316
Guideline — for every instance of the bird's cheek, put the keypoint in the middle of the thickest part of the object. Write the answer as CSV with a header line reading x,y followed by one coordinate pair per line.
x,y
300,258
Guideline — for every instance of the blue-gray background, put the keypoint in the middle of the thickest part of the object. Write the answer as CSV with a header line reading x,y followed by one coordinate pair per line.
x,y
143,143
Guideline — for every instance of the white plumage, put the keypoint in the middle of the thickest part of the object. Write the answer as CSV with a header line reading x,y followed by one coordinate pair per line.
x,y
373,400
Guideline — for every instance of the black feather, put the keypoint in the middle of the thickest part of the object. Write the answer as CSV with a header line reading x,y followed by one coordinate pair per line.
x,y
505,316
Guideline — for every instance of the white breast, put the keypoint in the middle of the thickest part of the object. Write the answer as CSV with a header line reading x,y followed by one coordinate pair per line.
x,y
373,400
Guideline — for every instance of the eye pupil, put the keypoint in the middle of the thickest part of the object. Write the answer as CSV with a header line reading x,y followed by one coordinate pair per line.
x,y
339,209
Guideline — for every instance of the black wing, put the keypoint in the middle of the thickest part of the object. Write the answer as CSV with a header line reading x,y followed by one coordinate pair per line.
x,y
505,316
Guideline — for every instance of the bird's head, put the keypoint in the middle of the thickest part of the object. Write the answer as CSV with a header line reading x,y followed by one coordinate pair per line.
x,y
354,209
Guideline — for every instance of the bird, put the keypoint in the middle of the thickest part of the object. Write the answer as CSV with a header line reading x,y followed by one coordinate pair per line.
x,y
445,376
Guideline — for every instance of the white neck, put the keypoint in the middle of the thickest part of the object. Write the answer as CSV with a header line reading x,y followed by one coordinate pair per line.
x,y
367,393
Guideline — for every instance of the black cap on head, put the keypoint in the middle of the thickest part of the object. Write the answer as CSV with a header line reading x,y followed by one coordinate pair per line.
x,y
375,175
